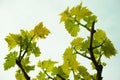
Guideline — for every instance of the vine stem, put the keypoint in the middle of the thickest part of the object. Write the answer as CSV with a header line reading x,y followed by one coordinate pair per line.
x,y
98,66
18,61
21,67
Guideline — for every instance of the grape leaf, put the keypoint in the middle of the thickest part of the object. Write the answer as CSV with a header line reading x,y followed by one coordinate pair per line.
x,y
75,10
41,31
41,76
12,40
64,15
47,65
77,43
25,65
108,49
90,20
84,73
72,28
65,68
19,75
70,59
99,35
80,12
10,60
36,51
58,71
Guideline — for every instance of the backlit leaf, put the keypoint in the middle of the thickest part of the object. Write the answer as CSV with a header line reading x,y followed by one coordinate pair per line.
x,y
72,28
58,71
10,60
84,73
41,31
75,10
19,75
12,40
25,63
77,43
80,12
100,35
47,65
41,76
66,68
89,20
108,49
70,59
83,13
64,15
36,51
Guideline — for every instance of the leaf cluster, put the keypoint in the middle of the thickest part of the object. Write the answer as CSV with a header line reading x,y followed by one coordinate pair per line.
x,y
93,47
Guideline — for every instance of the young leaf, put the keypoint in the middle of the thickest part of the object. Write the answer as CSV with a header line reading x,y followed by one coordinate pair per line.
x,y
58,71
64,15
89,20
41,31
65,67
77,43
108,49
12,40
36,51
75,10
80,12
41,76
47,65
70,59
99,35
10,60
72,28
25,65
19,75
84,73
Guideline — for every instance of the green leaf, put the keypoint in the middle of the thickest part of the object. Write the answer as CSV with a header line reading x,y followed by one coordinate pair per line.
x,y
41,31
104,64
75,10
108,49
85,45
77,43
90,20
84,73
66,68
41,76
10,60
80,12
19,75
47,65
72,28
58,71
36,51
64,15
99,36
29,68
25,63
13,40
70,60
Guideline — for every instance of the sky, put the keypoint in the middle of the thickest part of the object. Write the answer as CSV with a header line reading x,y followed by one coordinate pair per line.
x,y
25,14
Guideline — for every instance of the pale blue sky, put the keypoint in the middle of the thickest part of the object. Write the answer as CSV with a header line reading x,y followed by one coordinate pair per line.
x,y
25,14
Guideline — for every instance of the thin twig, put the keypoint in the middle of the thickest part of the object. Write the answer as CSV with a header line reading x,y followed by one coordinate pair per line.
x,y
61,77
82,54
48,75
82,25
99,45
